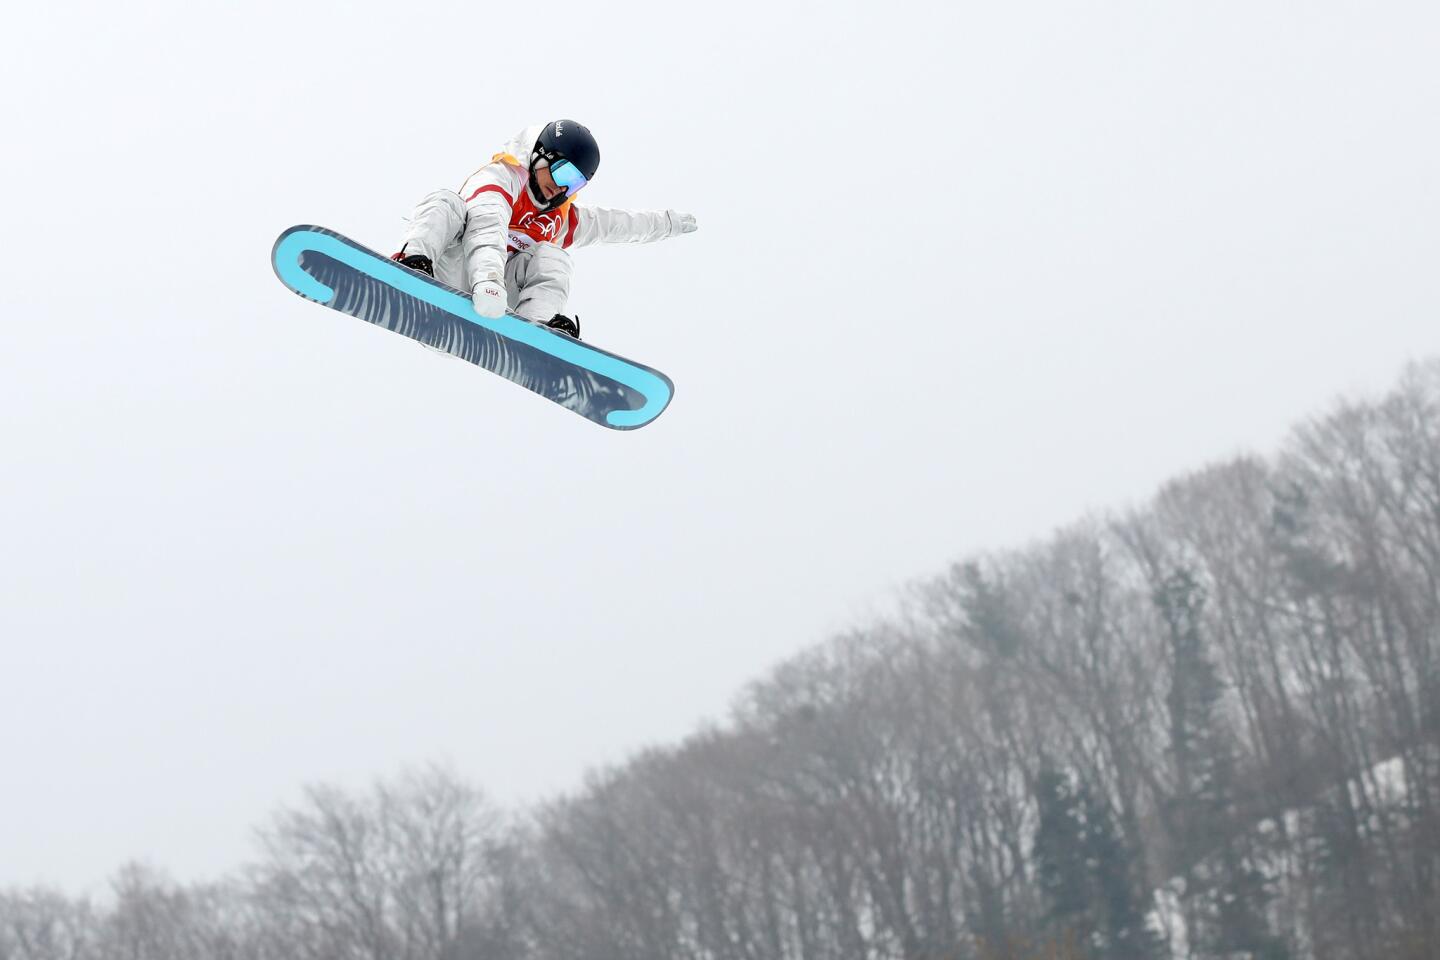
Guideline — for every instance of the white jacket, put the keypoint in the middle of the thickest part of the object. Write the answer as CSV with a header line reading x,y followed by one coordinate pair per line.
x,y
503,216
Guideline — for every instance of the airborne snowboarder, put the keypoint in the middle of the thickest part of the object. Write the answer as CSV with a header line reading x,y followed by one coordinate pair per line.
x,y
506,236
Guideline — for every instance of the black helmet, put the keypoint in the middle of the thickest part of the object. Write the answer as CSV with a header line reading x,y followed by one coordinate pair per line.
x,y
563,140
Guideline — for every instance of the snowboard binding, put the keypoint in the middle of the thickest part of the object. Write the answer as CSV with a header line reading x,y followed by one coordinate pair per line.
x,y
563,324
415,261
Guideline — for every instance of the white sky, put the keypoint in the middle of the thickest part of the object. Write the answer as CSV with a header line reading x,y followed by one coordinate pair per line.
x,y
963,274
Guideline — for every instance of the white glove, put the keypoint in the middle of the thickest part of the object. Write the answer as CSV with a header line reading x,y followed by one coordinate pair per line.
x,y
681,222
489,298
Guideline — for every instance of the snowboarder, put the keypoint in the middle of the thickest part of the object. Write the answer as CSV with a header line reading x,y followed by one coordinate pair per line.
x,y
506,236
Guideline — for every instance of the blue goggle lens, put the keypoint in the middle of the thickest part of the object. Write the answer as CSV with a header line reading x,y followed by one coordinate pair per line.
x,y
567,175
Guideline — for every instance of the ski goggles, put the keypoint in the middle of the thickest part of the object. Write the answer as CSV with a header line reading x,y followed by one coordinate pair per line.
x,y
567,175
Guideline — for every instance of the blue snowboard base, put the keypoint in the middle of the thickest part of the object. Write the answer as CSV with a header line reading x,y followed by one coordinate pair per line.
x,y
329,268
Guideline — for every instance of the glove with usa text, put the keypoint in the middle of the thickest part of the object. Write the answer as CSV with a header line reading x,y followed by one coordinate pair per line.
x,y
489,298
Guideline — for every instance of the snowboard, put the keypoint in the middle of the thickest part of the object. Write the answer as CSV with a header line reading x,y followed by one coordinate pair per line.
x,y
332,269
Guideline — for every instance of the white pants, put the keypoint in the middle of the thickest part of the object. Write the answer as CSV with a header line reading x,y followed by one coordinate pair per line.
x,y
537,280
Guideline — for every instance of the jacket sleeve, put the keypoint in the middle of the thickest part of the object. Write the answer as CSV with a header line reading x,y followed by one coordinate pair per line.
x,y
608,225
489,196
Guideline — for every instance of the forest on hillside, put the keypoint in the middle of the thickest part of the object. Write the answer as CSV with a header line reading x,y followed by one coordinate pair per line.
x,y
1205,728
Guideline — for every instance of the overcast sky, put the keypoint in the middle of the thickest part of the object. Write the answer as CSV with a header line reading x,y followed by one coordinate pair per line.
x,y
964,272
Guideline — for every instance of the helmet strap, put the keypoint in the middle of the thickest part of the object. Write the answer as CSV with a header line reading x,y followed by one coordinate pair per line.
x,y
536,197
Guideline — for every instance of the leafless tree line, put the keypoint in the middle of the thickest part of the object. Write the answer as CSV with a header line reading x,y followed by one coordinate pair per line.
x,y
1204,729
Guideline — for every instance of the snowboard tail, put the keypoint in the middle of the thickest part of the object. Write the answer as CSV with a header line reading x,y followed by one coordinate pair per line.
x,y
333,270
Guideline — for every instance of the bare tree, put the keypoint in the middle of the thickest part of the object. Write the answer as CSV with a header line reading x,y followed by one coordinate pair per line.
x,y
41,924
392,875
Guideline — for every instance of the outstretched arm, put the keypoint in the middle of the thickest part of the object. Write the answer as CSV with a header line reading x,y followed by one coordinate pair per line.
x,y
609,225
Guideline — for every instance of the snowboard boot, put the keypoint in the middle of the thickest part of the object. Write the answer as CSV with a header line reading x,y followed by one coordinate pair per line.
x,y
415,261
565,325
